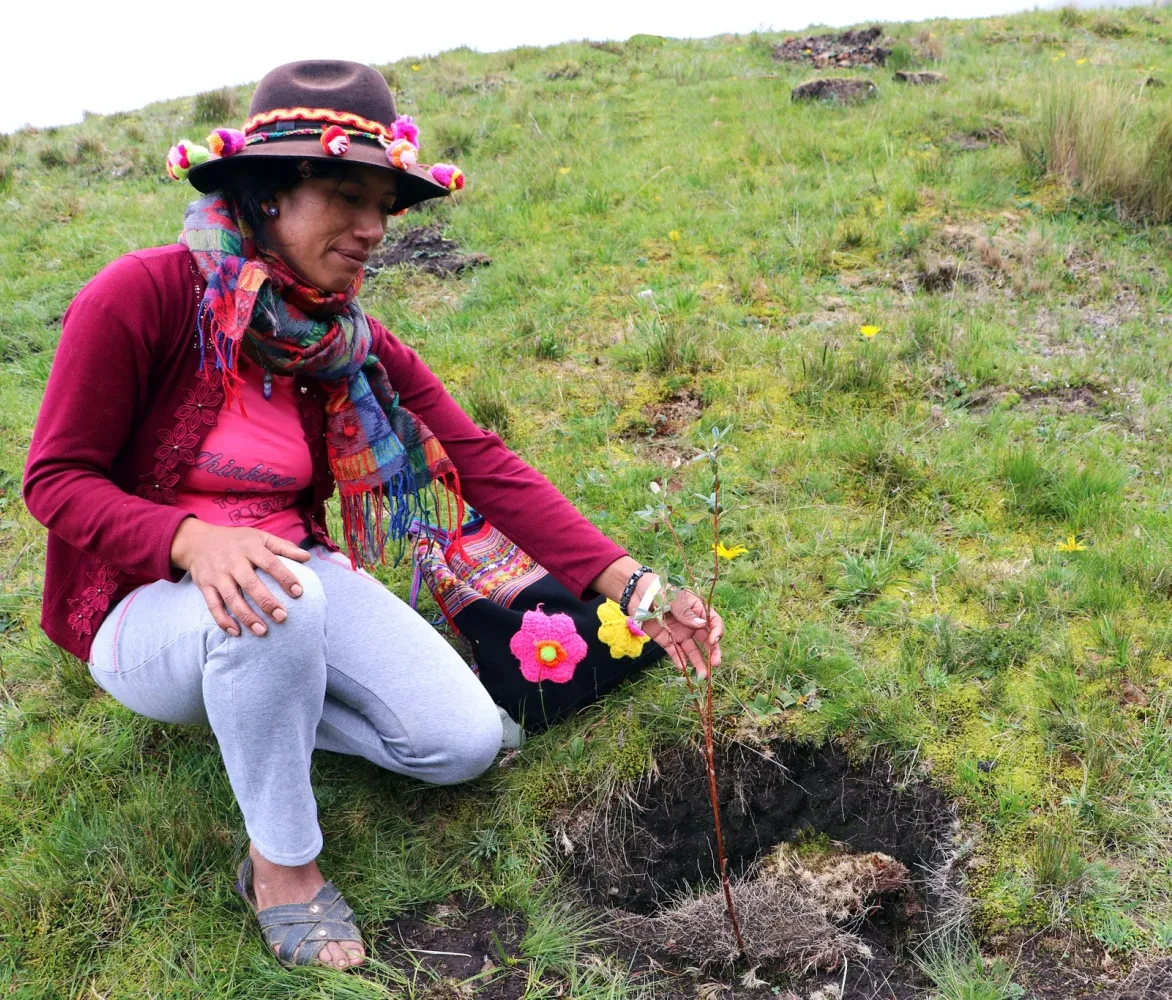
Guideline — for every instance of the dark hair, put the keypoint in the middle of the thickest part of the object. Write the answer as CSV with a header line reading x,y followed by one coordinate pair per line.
x,y
261,178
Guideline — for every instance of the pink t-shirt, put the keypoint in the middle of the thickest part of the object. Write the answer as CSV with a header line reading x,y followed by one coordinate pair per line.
x,y
252,471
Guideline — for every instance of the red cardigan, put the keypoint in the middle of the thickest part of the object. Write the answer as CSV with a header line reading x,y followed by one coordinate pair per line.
x,y
125,410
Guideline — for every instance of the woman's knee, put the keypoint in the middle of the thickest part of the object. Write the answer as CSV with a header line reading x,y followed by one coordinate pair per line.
x,y
306,614
473,740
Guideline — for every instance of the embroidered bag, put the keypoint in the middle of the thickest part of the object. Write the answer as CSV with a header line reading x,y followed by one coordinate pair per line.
x,y
539,651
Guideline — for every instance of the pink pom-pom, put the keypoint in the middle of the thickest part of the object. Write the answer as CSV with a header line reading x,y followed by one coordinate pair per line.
x,y
449,176
335,141
404,127
402,154
225,141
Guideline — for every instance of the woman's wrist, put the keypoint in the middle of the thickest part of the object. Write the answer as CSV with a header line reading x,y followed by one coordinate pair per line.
x,y
613,580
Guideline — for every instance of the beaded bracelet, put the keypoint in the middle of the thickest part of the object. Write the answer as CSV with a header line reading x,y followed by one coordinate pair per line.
x,y
629,589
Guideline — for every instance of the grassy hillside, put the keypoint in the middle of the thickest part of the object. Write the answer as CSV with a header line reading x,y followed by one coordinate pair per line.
x,y
957,528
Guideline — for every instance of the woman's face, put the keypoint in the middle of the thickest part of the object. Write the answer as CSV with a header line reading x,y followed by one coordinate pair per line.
x,y
325,228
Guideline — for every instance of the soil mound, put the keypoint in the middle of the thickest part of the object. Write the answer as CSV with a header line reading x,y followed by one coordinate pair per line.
x,y
843,89
851,48
426,248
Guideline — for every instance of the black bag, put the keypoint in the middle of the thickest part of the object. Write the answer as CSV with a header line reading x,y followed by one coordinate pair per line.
x,y
539,651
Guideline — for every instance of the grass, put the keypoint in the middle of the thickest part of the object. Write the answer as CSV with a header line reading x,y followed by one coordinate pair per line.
x,y
902,499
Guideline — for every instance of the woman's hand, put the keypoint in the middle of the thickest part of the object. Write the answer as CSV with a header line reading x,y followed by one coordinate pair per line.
x,y
688,625
223,562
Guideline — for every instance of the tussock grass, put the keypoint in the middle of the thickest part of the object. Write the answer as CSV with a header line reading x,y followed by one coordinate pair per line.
x,y
1098,137
215,107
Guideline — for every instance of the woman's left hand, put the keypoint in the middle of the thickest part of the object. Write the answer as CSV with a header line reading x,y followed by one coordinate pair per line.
x,y
688,625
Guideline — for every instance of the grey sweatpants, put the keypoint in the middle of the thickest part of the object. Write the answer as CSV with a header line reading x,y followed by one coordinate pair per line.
x,y
353,670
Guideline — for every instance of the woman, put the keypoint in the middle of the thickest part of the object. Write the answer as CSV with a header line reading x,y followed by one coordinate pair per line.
x,y
205,401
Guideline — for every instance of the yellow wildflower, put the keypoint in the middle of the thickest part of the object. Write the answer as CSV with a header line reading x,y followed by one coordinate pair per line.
x,y
674,235
726,553
620,633
414,67
869,331
1080,62
563,170
1072,544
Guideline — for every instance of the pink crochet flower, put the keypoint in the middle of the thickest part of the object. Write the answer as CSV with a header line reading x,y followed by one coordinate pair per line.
x,y
548,647
404,127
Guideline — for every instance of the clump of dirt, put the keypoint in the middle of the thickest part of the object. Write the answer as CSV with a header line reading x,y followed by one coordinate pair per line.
x,y
920,78
669,417
455,940
828,863
843,89
1065,399
979,138
941,274
426,248
851,48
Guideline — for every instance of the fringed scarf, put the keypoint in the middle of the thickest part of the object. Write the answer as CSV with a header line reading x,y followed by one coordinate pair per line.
x,y
383,457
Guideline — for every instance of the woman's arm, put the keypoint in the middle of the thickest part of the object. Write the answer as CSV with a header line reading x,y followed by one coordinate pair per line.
x,y
98,382
514,497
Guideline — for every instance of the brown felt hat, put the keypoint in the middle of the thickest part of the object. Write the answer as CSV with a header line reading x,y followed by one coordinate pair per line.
x,y
293,107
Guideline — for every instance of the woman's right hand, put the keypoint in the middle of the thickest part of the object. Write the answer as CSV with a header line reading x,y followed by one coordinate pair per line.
x,y
223,564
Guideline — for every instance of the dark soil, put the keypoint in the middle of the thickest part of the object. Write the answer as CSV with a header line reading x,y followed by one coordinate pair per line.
x,y
456,940
636,858
843,89
852,48
425,248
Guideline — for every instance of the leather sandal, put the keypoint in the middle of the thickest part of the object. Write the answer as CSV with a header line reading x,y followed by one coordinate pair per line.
x,y
300,930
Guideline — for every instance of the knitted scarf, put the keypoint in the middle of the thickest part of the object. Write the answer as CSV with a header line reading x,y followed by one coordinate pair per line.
x,y
383,457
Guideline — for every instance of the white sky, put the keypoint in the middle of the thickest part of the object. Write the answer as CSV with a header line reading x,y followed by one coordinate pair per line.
x,y
66,56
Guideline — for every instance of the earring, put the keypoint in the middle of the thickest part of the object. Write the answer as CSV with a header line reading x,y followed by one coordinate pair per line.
x,y
272,211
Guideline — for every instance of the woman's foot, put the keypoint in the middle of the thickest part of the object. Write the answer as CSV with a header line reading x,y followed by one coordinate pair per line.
x,y
277,884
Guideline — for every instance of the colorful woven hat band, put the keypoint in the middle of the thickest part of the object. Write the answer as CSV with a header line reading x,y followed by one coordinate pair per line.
x,y
335,129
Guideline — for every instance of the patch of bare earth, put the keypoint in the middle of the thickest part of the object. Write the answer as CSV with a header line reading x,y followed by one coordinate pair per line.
x,y
426,248
835,872
453,942
666,423
978,138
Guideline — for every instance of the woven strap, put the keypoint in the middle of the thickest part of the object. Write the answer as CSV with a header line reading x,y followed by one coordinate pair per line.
x,y
301,930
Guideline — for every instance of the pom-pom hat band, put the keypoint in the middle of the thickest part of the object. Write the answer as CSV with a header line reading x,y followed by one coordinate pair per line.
x,y
296,104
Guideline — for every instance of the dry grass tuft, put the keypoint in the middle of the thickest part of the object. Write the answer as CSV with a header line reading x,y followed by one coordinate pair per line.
x,y
790,914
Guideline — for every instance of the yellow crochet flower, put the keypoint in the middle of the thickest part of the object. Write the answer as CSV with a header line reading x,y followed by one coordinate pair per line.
x,y
620,633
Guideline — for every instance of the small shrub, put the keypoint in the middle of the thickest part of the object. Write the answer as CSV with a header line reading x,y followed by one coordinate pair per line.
x,y
52,157
1070,16
5,175
89,147
1110,27
216,107
568,70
